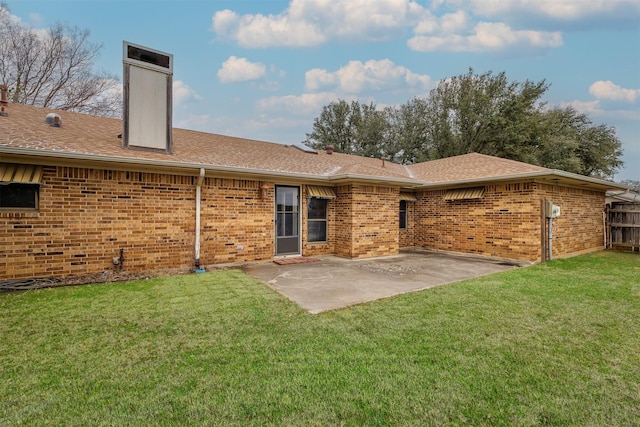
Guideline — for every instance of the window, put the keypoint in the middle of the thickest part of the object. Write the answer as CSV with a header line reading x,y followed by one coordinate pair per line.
x,y
19,186
403,214
317,220
19,196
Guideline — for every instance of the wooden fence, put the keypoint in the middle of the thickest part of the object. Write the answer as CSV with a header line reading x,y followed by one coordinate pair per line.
x,y
624,225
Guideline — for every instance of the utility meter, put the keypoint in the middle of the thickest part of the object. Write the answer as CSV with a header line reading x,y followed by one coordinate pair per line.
x,y
551,210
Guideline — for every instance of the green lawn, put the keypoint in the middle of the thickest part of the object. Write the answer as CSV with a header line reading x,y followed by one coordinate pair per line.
x,y
554,344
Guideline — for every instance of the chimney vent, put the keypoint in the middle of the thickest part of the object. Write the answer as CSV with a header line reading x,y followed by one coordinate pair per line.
x,y
329,149
147,96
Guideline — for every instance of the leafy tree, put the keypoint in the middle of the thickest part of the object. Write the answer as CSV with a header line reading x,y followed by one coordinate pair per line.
x,y
54,68
350,128
568,140
408,134
483,113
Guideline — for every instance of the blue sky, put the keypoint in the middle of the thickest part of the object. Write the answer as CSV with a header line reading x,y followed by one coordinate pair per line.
x,y
263,69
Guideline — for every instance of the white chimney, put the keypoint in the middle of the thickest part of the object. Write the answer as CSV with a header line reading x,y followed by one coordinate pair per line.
x,y
148,79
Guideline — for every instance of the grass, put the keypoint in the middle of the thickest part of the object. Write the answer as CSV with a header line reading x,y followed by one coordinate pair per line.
x,y
553,344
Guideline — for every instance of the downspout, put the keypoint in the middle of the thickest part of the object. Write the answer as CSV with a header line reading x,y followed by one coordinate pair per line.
x,y
197,248
550,246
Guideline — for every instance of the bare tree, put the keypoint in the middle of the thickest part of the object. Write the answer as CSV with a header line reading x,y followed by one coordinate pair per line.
x,y
54,68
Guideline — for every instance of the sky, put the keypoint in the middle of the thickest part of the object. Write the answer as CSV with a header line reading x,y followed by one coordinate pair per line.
x,y
263,69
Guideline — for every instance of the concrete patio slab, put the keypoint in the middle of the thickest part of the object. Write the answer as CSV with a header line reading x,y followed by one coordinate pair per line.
x,y
331,282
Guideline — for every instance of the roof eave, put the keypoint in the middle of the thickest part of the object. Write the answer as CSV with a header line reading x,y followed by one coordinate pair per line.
x,y
550,176
183,168
354,178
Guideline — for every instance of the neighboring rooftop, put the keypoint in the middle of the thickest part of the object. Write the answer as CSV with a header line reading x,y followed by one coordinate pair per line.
x,y
91,138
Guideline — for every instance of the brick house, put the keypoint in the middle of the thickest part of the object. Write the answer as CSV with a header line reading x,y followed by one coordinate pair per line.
x,y
75,199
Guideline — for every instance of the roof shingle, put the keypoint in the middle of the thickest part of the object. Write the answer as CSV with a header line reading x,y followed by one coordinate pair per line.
x,y
82,136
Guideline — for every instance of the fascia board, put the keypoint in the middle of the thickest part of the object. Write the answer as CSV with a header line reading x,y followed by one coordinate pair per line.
x,y
551,176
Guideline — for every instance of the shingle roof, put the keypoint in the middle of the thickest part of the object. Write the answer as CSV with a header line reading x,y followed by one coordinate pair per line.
x,y
25,128
82,136
471,166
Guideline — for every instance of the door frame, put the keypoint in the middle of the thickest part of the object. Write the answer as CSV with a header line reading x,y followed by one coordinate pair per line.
x,y
298,222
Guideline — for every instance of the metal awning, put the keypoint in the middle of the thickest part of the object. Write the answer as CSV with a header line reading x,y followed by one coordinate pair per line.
x,y
409,197
464,193
321,192
23,174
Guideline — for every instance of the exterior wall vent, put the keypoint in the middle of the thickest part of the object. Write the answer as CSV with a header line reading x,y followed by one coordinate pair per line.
x,y
148,79
53,120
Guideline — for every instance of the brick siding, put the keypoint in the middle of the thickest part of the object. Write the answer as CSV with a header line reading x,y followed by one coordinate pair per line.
x,y
507,221
87,215
367,221
237,224
580,226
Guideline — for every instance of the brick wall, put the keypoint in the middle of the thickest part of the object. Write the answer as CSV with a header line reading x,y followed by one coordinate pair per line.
x,y
237,224
344,221
580,226
507,221
407,236
86,216
366,221
504,223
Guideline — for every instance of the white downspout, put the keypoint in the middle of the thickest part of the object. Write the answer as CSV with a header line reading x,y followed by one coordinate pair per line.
x,y
198,185
550,239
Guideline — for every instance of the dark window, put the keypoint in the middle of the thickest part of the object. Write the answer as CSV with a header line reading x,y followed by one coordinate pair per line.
x,y
317,220
19,196
403,214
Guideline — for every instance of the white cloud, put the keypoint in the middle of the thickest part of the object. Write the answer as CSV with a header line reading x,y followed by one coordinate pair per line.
x,y
266,123
486,36
237,69
305,104
357,77
610,91
599,12
314,22
565,9
446,25
586,107
182,92
200,122
36,19
594,109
